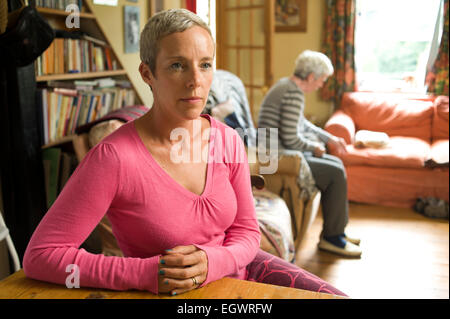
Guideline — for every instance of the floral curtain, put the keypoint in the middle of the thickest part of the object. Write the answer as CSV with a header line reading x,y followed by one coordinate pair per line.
x,y
338,45
437,79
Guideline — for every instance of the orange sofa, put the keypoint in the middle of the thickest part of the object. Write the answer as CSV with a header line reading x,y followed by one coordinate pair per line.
x,y
413,164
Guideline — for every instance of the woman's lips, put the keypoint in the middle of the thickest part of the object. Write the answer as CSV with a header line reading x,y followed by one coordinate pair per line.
x,y
192,99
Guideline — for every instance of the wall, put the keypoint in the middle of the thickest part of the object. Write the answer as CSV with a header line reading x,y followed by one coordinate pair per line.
x,y
172,4
287,46
111,20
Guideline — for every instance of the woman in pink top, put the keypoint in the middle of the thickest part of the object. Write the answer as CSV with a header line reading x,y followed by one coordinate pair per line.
x,y
174,184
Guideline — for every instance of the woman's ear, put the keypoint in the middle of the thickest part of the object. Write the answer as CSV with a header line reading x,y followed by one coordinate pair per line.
x,y
311,77
146,73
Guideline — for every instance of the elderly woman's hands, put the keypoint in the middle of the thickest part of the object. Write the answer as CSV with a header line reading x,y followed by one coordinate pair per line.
x,y
181,269
336,145
319,151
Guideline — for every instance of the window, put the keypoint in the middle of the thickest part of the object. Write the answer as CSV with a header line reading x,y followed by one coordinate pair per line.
x,y
393,41
206,9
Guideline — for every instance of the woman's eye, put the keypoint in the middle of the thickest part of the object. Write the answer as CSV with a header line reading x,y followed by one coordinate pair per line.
x,y
206,65
176,66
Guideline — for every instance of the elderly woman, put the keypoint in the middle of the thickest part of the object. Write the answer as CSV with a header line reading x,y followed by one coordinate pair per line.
x,y
283,108
182,221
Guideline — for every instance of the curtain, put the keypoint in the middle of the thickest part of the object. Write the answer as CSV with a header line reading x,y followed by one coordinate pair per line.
x,y
21,169
437,78
191,5
338,45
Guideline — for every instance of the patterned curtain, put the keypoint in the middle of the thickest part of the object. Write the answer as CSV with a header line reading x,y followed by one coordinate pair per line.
x,y
338,45
437,79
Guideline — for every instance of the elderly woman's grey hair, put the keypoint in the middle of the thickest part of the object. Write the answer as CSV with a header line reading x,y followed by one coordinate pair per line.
x,y
312,62
163,24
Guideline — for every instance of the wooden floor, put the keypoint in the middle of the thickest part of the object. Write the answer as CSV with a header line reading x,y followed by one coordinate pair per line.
x,y
405,255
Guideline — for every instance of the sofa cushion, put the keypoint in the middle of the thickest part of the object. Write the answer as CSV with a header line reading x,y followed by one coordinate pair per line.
x,y
406,152
439,129
439,152
394,114
364,138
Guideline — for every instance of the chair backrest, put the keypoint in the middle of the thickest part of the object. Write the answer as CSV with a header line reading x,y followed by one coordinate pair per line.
x,y
228,87
4,235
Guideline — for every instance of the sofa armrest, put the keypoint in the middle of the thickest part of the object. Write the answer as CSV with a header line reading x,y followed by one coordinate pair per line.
x,y
341,124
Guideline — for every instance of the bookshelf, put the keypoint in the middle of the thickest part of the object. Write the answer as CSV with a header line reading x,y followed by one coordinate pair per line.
x,y
75,76
81,64
79,79
59,12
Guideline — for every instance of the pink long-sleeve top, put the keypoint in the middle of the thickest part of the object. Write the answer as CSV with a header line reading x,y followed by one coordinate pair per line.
x,y
149,212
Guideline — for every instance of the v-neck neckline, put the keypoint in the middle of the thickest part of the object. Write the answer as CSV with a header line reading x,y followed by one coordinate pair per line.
x,y
166,176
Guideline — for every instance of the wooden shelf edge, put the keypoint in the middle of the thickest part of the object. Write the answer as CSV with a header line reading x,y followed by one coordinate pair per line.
x,y
81,75
50,11
62,140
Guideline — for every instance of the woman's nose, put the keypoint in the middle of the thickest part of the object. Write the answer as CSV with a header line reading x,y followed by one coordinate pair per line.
x,y
194,79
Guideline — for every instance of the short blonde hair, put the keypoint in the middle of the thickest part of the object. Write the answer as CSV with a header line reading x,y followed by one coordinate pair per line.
x,y
314,62
163,24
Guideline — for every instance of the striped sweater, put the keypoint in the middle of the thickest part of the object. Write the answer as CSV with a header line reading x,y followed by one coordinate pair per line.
x,y
283,108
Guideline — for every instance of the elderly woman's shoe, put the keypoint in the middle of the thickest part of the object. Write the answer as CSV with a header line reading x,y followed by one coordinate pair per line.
x,y
344,248
355,241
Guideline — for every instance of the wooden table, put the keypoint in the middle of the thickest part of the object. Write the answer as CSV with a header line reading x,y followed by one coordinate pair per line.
x,y
17,286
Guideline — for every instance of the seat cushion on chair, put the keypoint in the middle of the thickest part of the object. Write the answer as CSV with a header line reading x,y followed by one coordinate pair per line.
x,y
275,223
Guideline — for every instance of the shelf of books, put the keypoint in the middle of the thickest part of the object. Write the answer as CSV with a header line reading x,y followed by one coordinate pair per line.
x,y
66,105
79,79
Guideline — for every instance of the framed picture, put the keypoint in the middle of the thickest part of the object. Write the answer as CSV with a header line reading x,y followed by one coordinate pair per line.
x,y
131,27
290,15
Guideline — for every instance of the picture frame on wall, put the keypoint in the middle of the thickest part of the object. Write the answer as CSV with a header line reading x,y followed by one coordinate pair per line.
x,y
290,15
131,27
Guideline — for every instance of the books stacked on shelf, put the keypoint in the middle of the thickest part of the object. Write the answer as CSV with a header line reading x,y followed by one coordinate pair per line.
x,y
66,105
58,4
75,53
58,166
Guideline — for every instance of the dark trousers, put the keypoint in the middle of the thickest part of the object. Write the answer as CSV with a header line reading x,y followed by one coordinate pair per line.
x,y
331,180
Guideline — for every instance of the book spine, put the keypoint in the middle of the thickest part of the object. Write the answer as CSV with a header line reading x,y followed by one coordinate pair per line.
x,y
78,55
70,129
108,58
77,113
90,109
51,60
45,114
68,116
57,116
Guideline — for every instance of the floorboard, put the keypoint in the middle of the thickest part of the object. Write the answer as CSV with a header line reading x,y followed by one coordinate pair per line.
x,y
405,255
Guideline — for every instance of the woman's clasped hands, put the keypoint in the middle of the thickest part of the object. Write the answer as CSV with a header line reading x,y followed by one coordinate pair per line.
x,y
181,269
